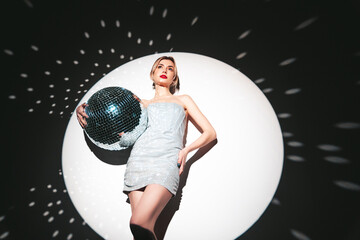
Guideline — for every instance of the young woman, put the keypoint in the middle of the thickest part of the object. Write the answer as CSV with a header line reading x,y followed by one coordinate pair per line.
x,y
158,157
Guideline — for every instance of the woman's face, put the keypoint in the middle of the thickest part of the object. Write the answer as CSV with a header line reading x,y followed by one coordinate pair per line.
x,y
164,73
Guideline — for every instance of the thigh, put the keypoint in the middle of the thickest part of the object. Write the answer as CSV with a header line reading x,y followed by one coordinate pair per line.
x,y
134,197
152,202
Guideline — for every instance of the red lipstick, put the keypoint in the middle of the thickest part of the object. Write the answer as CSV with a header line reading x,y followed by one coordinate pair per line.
x,y
163,76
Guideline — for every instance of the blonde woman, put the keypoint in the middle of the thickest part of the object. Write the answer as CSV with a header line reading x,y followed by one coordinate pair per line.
x,y
158,157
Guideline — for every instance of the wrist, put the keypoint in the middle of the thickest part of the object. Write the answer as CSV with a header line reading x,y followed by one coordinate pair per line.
x,y
186,150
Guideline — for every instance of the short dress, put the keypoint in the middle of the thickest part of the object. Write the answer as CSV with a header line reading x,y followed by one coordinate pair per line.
x,y
153,158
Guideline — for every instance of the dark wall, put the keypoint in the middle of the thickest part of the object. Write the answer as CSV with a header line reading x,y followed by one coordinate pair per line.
x,y
48,63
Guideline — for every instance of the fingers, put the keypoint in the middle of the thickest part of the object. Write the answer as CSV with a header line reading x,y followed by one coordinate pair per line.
x,y
181,169
181,165
82,110
81,115
181,161
81,120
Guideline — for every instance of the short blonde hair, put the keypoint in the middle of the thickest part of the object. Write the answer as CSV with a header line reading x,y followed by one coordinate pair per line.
x,y
175,85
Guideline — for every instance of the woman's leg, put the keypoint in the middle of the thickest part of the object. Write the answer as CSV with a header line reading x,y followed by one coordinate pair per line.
x,y
134,197
148,205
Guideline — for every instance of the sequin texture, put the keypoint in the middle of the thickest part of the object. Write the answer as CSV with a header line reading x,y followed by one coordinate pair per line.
x,y
153,159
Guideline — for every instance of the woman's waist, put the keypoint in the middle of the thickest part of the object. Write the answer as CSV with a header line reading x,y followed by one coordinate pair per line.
x,y
155,151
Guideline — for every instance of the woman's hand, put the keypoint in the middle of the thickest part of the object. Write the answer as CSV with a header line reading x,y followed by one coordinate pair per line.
x,y
182,160
81,115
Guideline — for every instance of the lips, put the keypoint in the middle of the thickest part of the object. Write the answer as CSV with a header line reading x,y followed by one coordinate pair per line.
x,y
163,76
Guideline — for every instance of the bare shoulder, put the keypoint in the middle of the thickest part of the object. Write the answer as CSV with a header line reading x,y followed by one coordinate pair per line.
x,y
186,99
145,102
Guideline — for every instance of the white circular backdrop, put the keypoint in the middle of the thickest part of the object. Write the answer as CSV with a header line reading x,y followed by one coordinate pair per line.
x,y
227,189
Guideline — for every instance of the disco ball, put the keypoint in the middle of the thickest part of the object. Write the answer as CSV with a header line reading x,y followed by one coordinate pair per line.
x,y
112,111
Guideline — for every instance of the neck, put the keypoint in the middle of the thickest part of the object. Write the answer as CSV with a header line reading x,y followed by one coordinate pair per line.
x,y
161,91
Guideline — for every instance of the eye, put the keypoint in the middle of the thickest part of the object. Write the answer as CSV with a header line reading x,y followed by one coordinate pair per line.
x,y
171,69
159,66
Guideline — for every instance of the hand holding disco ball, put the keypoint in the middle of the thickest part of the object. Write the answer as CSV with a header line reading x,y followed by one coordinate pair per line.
x,y
115,118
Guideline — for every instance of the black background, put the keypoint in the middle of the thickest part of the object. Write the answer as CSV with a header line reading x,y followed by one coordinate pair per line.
x,y
309,205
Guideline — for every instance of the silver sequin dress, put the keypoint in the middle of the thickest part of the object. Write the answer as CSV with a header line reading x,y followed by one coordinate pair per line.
x,y
153,159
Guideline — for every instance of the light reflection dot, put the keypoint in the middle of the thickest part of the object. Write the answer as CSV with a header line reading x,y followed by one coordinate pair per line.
x,y
260,80
295,144
164,13
194,20
4,235
241,55
51,219
56,232
329,147
267,90
287,134
8,52
284,115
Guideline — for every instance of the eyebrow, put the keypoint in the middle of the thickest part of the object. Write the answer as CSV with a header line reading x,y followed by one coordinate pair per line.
x,y
163,65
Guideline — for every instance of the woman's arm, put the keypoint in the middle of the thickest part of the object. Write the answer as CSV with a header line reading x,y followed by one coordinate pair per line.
x,y
204,126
